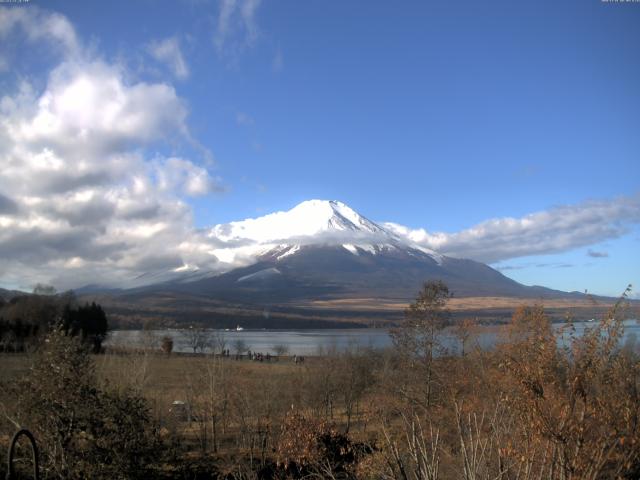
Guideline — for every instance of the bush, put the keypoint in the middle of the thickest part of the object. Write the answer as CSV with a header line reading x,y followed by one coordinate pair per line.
x,y
309,447
82,431
167,345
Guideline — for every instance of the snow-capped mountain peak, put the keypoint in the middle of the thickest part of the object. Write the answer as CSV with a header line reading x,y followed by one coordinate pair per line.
x,y
313,222
306,219
280,236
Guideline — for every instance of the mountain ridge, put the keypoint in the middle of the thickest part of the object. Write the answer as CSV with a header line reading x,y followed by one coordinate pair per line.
x,y
319,251
326,245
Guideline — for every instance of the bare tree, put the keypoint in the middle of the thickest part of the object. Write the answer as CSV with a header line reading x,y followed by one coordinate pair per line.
x,y
218,390
417,337
464,331
197,338
217,341
354,377
149,339
240,346
417,456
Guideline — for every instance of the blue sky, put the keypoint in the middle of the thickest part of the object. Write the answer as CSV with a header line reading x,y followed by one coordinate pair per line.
x,y
440,116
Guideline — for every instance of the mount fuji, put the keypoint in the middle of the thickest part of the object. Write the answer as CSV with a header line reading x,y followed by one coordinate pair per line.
x,y
318,253
311,223
326,250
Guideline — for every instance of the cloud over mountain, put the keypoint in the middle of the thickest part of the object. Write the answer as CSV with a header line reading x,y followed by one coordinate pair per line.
x,y
558,229
83,191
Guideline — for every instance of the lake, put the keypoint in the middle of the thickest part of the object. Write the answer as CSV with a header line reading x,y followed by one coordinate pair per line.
x,y
316,342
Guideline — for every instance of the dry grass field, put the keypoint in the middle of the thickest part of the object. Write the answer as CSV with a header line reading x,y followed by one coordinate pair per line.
x,y
461,304
527,405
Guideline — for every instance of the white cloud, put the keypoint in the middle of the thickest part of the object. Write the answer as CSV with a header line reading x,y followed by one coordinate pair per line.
x,y
248,11
39,25
177,174
83,129
556,230
237,28
168,51
77,187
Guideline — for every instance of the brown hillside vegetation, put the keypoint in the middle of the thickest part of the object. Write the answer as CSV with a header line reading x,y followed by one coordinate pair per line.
x,y
168,310
463,303
528,409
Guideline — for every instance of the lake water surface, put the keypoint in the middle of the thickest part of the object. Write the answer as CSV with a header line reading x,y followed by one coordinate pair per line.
x,y
315,342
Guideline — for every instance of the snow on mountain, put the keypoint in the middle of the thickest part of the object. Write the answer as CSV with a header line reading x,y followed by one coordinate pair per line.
x,y
186,273
281,235
313,222
260,275
320,249
306,219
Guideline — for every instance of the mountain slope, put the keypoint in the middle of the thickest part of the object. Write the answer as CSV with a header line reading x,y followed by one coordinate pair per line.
x,y
325,249
288,263
317,272
313,222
